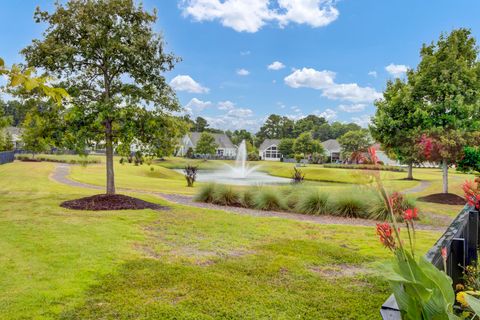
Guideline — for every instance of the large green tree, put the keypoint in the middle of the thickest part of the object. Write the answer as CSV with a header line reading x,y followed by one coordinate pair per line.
x,y
309,123
396,122
206,145
306,145
446,84
285,147
112,63
276,127
354,143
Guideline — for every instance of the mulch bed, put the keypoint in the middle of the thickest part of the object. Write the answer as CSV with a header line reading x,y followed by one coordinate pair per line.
x,y
444,198
110,202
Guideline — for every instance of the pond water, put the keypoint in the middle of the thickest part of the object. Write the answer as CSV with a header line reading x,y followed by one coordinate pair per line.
x,y
225,177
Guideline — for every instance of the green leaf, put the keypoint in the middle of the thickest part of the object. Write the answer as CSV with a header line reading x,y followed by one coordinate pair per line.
x,y
473,303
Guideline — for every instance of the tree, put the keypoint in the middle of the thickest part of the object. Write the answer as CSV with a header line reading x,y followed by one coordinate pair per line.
x,y
446,84
276,127
306,145
206,145
396,122
309,123
470,160
200,125
112,63
354,143
238,135
36,137
285,147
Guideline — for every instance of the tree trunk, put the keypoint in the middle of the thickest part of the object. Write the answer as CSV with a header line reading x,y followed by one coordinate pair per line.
x,y
445,175
109,156
410,171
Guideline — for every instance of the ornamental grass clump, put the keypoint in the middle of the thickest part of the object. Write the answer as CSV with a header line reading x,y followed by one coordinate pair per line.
x,y
226,196
379,210
268,199
314,202
247,198
206,192
351,205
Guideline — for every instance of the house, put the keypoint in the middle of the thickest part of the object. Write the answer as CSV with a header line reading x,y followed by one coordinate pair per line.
x,y
332,149
225,147
382,156
269,150
16,134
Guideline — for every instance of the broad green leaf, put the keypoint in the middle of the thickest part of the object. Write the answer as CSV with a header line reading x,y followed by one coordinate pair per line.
x,y
473,303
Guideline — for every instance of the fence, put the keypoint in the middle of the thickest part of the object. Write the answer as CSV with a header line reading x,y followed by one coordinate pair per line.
x,y
7,156
461,240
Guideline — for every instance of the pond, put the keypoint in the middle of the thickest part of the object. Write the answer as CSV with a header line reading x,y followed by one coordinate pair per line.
x,y
226,177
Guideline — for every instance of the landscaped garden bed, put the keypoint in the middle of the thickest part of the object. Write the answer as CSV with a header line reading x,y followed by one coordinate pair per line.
x,y
365,167
110,202
59,159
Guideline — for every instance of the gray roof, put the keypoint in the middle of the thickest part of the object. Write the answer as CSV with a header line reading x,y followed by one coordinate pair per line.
x,y
221,139
332,145
268,143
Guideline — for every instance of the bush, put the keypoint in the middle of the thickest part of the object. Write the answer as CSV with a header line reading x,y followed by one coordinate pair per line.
x,y
313,202
190,174
297,176
80,161
226,196
253,156
205,194
365,167
268,199
351,206
247,199
379,210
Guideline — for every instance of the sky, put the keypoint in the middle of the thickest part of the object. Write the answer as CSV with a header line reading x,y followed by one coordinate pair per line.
x,y
245,59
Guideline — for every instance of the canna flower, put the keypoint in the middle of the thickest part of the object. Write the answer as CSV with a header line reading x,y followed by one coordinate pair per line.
x,y
444,253
471,193
373,155
385,232
410,214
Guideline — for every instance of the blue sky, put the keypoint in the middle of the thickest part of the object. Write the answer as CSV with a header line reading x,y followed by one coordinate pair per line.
x,y
330,58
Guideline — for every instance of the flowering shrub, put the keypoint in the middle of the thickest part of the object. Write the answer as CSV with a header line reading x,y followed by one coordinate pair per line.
x,y
472,193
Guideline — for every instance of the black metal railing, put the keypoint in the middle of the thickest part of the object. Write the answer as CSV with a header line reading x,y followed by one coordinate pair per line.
x,y
461,240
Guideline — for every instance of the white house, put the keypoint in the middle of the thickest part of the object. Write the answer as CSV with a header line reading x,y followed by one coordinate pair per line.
x,y
225,146
269,150
332,149
16,134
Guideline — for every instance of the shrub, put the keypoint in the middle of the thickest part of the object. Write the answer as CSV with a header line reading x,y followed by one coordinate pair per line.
x,y
365,167
247,198
268,199
297,176
253,156
379,210
190,174
205,194
226,196
313,202
351,206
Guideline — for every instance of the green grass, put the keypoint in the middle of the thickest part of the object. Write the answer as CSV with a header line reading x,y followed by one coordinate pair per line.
x,y
186,263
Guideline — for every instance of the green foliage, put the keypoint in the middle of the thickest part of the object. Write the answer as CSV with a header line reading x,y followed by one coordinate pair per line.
x,y
81,160
206,193
364,167
285,147
238,135
206,145
351,205
306,145
297,176
276,127
189,153
111,62
314,202
226,196
378,209
354,142
247,198
308,124
268,199
470,160
200,125
190,174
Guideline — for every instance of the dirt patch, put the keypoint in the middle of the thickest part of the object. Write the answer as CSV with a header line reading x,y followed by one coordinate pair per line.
x,y
110,202
340,270
443,198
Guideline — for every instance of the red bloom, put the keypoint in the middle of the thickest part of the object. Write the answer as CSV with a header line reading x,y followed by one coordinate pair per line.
x,y
396,201
472,195
385,232
427,145
410,214
373,155
444,253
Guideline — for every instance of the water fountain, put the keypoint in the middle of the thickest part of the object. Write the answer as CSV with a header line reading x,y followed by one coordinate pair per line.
x,y
241,173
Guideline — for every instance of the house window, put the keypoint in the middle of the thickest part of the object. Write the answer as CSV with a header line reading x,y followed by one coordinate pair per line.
x,y
220,152
272,152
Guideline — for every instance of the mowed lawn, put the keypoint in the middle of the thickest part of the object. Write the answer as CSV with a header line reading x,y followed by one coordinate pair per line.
x,y
184,263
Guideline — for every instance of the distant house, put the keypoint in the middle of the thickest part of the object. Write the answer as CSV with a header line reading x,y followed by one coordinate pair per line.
x,y
16,134
269,150
382,156
332,150
225,146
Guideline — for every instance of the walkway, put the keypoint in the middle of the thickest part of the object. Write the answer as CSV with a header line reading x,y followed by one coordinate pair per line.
x,y
62,171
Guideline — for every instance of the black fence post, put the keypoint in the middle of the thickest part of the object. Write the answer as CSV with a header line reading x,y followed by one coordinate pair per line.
x,y
472,238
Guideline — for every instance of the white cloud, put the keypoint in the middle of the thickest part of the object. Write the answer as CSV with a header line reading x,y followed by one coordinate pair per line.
x,y
251,15
226,105
186,83
396,70
358,107
240,113
362,121
325,81
328,114
245,53
243,72
373,74
276,65
197,105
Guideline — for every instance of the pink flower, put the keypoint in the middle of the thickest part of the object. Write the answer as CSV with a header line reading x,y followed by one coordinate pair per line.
x,y
410,214
444,253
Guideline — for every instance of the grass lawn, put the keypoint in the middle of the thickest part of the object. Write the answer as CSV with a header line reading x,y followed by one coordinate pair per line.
x,y
186,263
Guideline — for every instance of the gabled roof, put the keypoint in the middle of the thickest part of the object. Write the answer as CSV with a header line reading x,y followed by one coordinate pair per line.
x,y
332,145
221,139
268,143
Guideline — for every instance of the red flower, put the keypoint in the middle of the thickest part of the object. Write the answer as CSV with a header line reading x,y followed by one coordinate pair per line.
x,y
427,145
385,232
472,195
373,155
410,214
444,253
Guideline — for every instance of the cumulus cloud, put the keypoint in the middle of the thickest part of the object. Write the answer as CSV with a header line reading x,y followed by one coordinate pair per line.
x,y
197,105
276,65
245,53
358,107
325,82
252,15
243,72
362,121
373,74
328,114
226,105
396,70
186,83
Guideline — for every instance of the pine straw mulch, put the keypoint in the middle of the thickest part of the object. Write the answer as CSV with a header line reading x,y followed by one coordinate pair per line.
x,y
443,198
110,202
